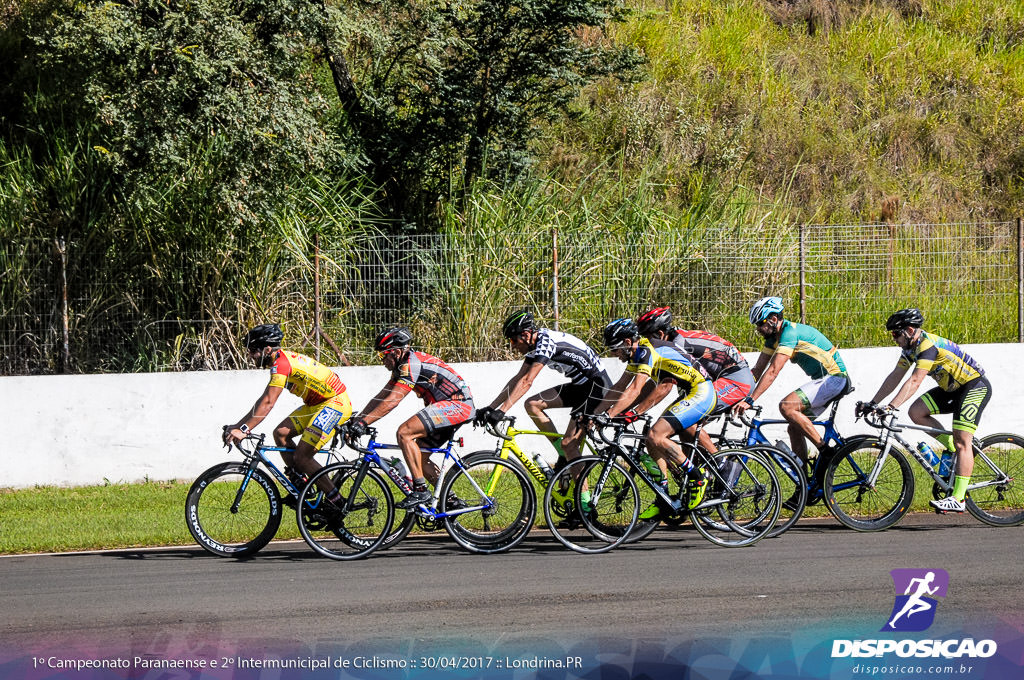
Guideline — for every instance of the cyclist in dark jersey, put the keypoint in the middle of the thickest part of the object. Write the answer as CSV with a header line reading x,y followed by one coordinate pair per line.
x,y
448,400
567,354
963,390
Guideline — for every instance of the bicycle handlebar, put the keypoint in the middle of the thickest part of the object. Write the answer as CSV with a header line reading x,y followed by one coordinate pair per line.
x,y
880,418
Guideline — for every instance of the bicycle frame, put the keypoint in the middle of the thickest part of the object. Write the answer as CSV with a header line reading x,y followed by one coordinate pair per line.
x,y
256,457
508,446
370,456
890,430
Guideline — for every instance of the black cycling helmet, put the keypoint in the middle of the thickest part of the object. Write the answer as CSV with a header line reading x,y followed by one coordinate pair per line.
x,y
518,322
905,318
264,335
619,331
393,338
654,320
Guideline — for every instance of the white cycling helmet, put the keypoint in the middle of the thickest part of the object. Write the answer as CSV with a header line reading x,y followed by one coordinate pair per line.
x,y
763,307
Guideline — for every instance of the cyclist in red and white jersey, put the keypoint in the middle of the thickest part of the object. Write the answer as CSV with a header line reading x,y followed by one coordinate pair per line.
x,y
449,404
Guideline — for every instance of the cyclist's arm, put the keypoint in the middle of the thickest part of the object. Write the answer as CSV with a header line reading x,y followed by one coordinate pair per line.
x,y
766,379
628,388
382,404
654,395
889,384
260,410
517,386
760,365
909,388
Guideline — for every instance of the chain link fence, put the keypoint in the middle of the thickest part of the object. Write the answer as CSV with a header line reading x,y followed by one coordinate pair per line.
x,y
185,311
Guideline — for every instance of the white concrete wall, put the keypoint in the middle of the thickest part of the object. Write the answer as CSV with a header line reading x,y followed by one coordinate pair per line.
x,y
84,429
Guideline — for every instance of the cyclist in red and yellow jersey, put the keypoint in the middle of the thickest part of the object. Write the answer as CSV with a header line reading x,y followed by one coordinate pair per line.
x,y
449,404
326,403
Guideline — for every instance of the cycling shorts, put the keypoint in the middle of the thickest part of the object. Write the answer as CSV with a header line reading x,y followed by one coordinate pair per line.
x,y
442,418
698,404
818,394
582,398
966,404
732,387
316,423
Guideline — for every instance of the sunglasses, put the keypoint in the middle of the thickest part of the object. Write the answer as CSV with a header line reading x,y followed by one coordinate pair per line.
x,y
896,334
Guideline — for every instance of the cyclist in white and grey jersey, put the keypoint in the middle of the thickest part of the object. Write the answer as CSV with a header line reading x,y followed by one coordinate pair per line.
x,y
565,353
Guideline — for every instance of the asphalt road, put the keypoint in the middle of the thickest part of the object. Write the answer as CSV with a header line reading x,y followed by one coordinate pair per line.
x,y
427,593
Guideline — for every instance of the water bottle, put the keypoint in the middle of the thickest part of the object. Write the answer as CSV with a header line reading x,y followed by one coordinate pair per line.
x,y
400,468
779,444
543,465
652,467
928,453
946,464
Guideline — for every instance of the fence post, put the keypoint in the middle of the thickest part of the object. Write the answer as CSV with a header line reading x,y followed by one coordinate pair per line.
x,y
554,282
803,311
316,293
1020,281
62,258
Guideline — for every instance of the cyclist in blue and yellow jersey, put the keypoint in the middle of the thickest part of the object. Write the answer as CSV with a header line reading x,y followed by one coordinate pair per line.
x,y
811,351
667,366
565,353
963,390
448,401
326,403
719,358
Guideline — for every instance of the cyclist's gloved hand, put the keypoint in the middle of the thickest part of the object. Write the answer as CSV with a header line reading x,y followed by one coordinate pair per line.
x,y
629,416
480,418
493,416
357,428
864,408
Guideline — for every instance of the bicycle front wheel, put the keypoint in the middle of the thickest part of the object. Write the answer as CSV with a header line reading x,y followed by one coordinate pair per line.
x,y
854,500
504,501
232,513
591,505
742,504
792,486
354,526
996,493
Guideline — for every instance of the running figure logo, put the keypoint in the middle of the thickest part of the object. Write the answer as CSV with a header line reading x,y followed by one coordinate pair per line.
x,y
914,610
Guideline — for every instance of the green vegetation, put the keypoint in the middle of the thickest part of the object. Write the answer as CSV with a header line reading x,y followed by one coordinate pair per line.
x,y
188,171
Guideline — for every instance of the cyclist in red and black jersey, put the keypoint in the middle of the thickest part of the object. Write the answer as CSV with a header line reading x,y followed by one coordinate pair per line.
x,y
448,400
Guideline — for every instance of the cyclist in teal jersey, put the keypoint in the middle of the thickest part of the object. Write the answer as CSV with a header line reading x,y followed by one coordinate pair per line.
x,y
811,351
963,390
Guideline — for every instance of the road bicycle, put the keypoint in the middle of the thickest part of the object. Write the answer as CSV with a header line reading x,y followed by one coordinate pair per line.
x,y
740,506
872,488
481,520
234,509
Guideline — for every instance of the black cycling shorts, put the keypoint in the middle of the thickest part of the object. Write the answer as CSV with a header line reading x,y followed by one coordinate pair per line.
x,y
966,404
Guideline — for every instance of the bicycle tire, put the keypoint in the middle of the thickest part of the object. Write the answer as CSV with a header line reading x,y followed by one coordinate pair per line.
x,y
853,502
999,504
212,523
346,534
609,523
512,499
792,486
746,510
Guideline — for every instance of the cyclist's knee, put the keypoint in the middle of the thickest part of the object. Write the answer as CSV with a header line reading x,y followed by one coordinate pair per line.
x,y
283,435
535,406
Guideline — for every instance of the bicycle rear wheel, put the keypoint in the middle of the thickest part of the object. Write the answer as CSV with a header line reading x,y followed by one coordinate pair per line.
x,y
610,508
505,501
743,507
1000,468
357,524
858,504
221,527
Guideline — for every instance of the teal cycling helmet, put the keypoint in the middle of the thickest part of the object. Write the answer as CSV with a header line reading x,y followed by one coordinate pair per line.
x,y
765,307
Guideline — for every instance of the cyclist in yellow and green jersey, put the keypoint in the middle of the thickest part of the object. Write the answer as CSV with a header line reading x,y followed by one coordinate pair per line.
x,y
809,349
667,366
963,390
326,402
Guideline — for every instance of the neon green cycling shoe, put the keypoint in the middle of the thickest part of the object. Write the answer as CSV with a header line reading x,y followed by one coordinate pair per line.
x,y
696,487
653,511
585,505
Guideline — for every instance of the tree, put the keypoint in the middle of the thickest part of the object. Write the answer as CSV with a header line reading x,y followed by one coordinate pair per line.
x,y
442,93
